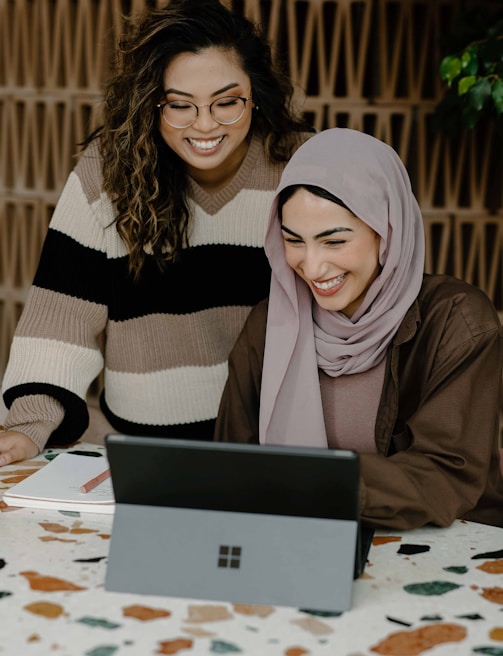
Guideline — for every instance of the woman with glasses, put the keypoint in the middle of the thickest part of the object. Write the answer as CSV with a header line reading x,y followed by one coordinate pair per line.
x,y
157,239
356,348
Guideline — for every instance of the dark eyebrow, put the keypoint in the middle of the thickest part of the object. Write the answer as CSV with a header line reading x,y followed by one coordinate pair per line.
x,y
229,86
325,233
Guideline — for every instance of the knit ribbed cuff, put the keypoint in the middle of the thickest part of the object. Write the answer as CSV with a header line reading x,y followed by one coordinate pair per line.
x,y
36,416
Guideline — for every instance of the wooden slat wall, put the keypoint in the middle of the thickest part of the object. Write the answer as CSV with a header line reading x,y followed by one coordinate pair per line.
x,y
366,64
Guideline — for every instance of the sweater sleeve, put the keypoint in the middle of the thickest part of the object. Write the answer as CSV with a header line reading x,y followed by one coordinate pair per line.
x,y
36,415
55,354
238,416
446,460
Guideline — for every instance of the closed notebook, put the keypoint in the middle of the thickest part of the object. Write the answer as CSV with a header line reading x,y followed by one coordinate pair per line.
x,y
57,485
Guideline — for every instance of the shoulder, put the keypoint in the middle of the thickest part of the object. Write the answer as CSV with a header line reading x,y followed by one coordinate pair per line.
x,y
256,322
252,334
84,210
90,158
89,171
249,346
447,301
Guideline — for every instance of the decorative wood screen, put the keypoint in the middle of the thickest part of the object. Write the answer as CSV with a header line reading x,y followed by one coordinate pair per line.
x,y
366,64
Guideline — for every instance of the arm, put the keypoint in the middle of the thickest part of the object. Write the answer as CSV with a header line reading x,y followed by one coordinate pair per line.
x,y
446,457
55,354
238,415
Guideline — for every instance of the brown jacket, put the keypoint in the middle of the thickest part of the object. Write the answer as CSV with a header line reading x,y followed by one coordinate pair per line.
x,y
437,427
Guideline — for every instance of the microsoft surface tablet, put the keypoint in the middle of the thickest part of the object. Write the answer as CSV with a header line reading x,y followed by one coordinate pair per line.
x,y
240,523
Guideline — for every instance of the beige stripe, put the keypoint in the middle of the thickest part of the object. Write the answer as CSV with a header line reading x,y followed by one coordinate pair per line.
x,y
178,396
230,226
138,345
55,363
163,341
90,225
62,318
89,170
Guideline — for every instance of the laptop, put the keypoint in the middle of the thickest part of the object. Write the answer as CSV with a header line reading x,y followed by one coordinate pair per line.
x,y
267,525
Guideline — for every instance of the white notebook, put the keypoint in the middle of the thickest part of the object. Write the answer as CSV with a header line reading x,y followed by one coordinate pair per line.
x,y
57,486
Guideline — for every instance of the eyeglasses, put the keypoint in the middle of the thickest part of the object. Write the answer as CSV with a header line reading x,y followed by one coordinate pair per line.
x,y
182,113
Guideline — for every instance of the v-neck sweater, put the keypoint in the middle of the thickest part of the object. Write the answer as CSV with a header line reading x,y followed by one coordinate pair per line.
x,y
168,336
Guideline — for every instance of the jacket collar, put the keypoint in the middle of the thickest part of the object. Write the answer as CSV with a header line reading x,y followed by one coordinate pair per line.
x,y
409,325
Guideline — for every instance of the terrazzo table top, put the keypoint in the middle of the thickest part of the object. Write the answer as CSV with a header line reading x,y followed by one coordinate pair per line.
x,y
429,591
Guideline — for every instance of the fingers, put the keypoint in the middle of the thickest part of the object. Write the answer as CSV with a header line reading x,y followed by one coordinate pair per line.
x,y
6,458
15,446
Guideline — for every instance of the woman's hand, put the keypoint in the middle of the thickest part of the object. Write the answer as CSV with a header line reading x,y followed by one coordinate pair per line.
x,y
16,446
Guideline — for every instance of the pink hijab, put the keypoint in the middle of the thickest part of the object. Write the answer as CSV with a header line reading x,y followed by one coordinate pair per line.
x,y
369,177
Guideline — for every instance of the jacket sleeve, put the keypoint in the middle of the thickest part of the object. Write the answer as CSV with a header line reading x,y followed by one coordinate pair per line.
x,y
445,456
238,415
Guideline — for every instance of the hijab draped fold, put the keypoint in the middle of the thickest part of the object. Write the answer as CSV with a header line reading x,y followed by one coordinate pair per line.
x,y
369,177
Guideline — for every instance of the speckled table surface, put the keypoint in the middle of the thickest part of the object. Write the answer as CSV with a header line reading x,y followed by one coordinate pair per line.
x,y
429,591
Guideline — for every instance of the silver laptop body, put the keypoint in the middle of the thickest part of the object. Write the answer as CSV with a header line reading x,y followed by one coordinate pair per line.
x,y
237,523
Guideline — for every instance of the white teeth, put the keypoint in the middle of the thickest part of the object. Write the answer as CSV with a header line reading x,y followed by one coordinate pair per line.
x,y
205,145
330,283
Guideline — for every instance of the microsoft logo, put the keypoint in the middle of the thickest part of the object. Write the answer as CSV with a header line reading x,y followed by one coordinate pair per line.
x,y
229,556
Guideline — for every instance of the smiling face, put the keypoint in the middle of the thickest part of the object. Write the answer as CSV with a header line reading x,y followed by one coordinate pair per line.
x,y
331,249
213,152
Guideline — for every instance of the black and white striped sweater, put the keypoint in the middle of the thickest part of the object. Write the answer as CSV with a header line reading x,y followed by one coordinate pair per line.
x,y
167,338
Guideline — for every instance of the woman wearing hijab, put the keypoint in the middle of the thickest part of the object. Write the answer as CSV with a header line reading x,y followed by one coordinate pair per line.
x,y
356,348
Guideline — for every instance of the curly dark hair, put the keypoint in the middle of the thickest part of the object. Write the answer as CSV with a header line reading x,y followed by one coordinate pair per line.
x,y
154,217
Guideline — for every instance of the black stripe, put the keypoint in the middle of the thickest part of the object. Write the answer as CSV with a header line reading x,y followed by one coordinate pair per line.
x,y
76,419
200,430
204,277
69,268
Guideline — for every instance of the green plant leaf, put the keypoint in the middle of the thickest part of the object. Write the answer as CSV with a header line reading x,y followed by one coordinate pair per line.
x,y
465,59
497,95
466,83
479,93
450,68
470,61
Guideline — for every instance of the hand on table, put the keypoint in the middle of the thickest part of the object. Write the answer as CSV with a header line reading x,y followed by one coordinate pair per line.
x,y
16,446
